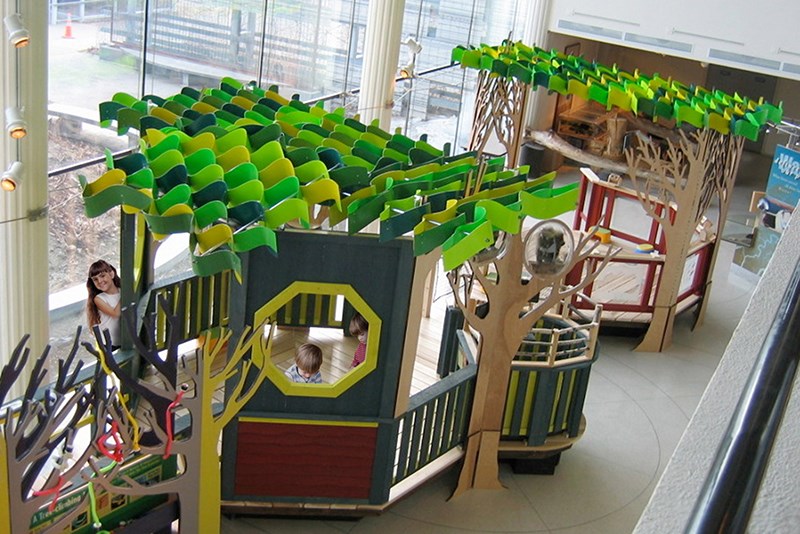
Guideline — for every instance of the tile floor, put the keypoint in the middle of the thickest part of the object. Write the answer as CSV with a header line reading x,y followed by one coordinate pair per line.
x,y
637,407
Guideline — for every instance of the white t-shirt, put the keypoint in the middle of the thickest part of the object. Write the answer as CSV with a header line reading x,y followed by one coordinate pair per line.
x,y
106,321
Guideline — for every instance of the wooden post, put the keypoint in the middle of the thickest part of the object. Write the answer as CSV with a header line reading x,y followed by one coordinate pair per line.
x,y
616,129
685,177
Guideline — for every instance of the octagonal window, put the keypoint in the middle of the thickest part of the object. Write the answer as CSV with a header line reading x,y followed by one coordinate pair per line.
x,y
313,318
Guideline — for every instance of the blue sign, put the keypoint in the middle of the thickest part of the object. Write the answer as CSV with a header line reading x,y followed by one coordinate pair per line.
x,y
783,185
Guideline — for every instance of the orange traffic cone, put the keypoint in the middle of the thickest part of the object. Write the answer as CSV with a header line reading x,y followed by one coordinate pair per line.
x,y
68,27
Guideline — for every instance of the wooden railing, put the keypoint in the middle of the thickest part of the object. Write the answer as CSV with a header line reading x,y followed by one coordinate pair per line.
x,y
205,300
436,422
548,382
308,309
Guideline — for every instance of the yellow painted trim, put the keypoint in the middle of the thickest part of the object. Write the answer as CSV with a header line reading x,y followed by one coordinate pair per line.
x,y
533,379
556,398
286,296
138,259
359,424
317,309
332,311
303,305
513,384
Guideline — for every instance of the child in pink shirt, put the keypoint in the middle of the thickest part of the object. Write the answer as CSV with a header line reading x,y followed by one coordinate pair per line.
x,y
359,328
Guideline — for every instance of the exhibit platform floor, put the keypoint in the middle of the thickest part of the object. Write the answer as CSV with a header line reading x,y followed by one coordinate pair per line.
x,y
637,407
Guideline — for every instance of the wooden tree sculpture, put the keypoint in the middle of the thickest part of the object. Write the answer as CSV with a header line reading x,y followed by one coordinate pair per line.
x,y
198,485
703,162
499,108
722,165
514,306
35,432
685,178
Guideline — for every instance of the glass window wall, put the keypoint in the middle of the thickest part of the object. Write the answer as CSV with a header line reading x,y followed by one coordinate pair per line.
x,y
313,48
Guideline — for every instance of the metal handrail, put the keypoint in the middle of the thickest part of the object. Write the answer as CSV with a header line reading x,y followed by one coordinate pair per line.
x,y
731,487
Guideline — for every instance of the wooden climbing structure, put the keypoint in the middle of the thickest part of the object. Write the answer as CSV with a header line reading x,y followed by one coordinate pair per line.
x,y
685,171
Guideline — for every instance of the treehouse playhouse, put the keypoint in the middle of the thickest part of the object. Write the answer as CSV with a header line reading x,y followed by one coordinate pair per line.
x,y
194,416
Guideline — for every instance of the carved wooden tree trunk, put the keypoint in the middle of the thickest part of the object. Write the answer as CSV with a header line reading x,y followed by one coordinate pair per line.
x,y
498,346
199,499
499,113
659,333
686,177
728,155
510,316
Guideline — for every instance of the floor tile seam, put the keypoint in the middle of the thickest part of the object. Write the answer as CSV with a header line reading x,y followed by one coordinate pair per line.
x,y
646,488
646,415
643,472
652,475
644,377
462,528
531,504
699,349
623,389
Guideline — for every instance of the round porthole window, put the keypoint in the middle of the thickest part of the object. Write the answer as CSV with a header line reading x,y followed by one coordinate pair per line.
x,y
549,247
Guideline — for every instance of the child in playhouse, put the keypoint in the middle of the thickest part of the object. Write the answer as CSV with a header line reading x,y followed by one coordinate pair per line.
x,y
359,328
307,362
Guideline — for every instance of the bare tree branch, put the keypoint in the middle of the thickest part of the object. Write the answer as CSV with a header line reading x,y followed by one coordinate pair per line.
x,y
462,301
236,400
13,369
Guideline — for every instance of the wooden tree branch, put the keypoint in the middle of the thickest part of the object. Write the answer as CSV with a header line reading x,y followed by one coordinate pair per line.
x,y
462,301
525,322
158,398
36,378
646,155
237,399
585,247
55,432
480,273
104,480
571,290
220,345
152,421
68,371
79,462
13,369
34,434
166,367
243,344
14,429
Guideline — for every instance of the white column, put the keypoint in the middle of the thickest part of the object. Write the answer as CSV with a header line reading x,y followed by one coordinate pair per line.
x,y
381,53
23,213
539,111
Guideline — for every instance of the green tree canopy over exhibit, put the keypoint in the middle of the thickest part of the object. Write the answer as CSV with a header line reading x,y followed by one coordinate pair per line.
x,y
233,165
651,96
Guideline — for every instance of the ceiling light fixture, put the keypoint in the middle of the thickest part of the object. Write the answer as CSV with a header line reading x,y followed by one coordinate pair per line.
x,y
414,48
12,177
15,124
407,71
18,35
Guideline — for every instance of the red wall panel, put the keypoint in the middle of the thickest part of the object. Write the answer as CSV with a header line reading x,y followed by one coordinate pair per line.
x,y
304,460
